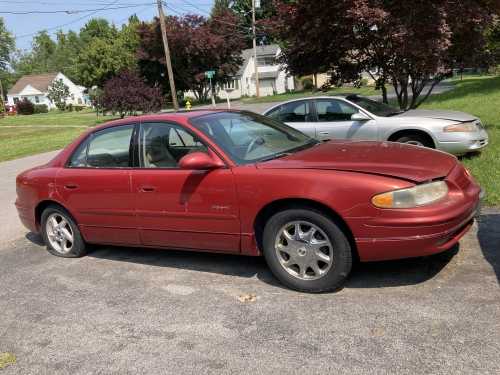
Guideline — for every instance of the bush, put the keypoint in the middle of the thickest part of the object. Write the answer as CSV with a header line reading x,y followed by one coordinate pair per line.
x,y
68,107
41,108
78,107
25,107
127,93
308,84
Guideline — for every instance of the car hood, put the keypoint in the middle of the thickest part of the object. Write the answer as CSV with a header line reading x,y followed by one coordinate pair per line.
x,y
412,163
438,114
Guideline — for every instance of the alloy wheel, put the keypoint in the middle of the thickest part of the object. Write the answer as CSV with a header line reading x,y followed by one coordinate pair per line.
x,y
59,233
304,250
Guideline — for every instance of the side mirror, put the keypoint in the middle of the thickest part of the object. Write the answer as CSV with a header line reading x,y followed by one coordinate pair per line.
x,y
199,161
360,116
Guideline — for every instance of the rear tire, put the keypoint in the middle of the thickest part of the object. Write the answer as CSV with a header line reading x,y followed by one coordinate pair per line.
x,y
61,234
307,251
416,140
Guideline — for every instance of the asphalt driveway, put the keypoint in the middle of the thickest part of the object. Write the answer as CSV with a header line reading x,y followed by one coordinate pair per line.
x,y
151,311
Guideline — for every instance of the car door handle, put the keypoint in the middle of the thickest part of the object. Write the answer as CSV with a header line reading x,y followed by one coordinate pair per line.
x,y
147,189
324,133
71,186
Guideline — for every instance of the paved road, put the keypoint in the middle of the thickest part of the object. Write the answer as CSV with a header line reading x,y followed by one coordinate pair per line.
x,y
10,226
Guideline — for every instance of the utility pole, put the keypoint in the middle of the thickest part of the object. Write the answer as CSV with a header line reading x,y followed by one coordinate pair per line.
x,y
167,55
257,84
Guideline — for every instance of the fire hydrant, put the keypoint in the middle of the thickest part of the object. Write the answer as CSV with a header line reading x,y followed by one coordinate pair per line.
x,y
188,105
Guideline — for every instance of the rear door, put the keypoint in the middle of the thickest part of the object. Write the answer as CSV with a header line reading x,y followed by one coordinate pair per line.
x,y
96,188
297,114
334,121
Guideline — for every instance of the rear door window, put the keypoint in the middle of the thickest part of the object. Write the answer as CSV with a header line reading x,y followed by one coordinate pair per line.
x,y
108,148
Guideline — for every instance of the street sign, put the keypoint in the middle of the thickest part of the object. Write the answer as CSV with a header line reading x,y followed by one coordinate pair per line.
x,y
210,74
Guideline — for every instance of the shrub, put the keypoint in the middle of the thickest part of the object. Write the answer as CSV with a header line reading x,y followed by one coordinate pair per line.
x,y
68,107
127,94
78,107
25,107
308,84
41,108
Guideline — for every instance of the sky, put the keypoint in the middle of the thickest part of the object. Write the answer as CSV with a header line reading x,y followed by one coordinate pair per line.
x,y
23,26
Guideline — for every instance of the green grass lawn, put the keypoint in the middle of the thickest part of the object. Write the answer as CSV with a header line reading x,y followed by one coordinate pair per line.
x,y
28,135
479,96
365,90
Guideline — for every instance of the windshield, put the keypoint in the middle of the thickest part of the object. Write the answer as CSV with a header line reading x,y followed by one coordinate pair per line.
x,y
372,106
247,137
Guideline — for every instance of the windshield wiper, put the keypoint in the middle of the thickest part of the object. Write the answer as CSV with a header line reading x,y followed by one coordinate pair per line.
x,y
275,156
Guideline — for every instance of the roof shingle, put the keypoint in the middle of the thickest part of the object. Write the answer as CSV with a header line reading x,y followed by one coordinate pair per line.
x,y
40,82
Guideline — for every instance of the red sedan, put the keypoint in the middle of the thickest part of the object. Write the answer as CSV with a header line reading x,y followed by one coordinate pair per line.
x,y
237,182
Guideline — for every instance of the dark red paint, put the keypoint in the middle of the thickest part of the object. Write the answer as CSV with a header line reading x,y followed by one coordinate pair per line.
x,y
212,204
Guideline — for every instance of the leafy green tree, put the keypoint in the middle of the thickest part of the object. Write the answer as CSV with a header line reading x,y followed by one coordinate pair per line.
x,y
58,93
7,45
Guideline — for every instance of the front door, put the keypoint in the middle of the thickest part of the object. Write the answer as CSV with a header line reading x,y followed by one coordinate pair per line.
x,y
96,188
334,121
178,208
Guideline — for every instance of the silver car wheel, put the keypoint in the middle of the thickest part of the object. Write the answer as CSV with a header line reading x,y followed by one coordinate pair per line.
x,y
304,250
59,233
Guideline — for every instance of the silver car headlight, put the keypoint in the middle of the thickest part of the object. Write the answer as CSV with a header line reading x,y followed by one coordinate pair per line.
x,y
419,195
463,127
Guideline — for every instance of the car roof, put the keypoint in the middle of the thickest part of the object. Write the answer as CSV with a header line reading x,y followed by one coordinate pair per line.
x,y
166,116
336,96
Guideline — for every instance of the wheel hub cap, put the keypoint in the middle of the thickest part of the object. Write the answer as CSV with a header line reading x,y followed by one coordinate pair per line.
x,y
304,250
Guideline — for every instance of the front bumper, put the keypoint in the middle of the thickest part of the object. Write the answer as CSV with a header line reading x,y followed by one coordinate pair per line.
x,y
462,143
421,231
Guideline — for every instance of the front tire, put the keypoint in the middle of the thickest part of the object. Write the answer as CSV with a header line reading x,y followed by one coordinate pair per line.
x,y
416,140
307,251
61,234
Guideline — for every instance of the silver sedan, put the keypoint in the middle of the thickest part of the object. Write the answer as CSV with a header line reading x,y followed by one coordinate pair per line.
x,y
357,117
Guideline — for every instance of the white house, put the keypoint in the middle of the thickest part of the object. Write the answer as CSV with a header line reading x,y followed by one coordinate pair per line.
x,y
35,88
273,79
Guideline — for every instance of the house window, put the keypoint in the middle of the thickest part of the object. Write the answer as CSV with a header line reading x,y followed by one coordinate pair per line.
x,y
37,99
266,60
232,84
79,100
16,100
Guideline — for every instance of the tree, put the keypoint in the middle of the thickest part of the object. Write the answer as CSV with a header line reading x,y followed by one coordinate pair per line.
x,y
196,45
7,46
407,44
106,51
58,92
127,93
242,10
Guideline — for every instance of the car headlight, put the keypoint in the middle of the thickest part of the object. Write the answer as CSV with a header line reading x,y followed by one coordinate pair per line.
x,y
464,127
418,195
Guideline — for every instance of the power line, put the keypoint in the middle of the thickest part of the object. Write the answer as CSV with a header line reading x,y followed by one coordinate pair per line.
x,y
67,23
72,11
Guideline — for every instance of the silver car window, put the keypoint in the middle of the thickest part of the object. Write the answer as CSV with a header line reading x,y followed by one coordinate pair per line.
x,y
334,110
294,112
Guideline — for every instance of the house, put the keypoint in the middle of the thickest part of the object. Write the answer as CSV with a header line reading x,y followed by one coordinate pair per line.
x,y
35,88
273,78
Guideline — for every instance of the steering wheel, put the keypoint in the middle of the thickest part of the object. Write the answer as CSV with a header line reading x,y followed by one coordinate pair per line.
x,y
256,142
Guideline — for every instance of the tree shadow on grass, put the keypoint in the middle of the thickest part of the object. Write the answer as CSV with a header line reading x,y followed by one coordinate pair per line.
x,y
476,86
